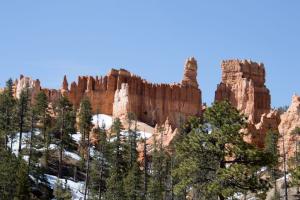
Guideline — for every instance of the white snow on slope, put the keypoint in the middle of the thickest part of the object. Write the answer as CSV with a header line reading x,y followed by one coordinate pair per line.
x,y
103,119
76,137
77,188
72,155
15,144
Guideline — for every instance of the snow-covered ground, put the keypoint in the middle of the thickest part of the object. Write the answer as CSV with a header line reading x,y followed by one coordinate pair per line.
x,y
77,188
76,137
140,134
15,143
103,120
72,155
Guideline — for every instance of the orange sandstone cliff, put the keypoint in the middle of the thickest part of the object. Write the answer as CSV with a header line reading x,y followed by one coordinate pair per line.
x,y
120,92
243,84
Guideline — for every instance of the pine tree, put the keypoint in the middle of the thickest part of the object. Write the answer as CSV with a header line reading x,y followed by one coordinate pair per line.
x,y
295,161
85,124
133,180
215,161
7,114
62,192
100,164
41,109
22,181
65,126
115,184
157,189
145,169
23,114
271,149
8,168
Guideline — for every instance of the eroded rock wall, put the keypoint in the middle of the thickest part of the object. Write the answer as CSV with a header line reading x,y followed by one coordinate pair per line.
x,y
290,120
121,92
243,84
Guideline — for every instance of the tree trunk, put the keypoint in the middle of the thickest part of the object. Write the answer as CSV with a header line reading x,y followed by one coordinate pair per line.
x,y
61,145
30,144
21,124
87,168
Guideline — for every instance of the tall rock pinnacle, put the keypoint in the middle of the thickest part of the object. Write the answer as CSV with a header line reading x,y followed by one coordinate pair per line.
x,y
190,73
65,85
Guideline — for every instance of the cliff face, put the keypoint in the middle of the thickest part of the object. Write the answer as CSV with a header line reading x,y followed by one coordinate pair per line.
x,y
289,121
34,86
121,92
243,84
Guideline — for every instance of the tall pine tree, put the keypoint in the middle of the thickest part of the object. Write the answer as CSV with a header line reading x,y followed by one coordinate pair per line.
x,y
119,165
215,161
23,114
65,126
7,114
85,124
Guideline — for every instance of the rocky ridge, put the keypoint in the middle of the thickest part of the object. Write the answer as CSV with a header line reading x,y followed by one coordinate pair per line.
x,y
120,92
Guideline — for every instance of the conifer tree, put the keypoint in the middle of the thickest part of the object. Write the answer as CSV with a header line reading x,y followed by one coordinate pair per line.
x,y
8,168
271,149
115,186
157,189
22,181
65,125
100,164
214,160
23,114
7,114
41,109
62,192
85,124
133,180
145,169
295,161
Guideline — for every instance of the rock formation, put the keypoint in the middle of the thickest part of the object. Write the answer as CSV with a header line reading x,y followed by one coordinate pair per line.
x,y
289,121
121,92
34,86
243,84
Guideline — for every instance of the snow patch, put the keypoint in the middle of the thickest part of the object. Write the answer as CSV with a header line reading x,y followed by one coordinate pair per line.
x,y
77,188
103,120
72,155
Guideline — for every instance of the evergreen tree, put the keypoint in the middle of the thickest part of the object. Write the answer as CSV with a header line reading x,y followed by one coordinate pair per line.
x,y
157,189
271,149
215,161
23,114
7,114
133,180
8,168
62,192
295,161
85,124
100,164
22,181
115,184
65,126
41,109
145,169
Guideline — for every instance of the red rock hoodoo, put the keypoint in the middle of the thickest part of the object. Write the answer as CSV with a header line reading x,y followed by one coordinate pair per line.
x,y
243,84
290,120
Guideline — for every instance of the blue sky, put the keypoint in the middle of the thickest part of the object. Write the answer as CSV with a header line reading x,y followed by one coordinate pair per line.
x,y
47,39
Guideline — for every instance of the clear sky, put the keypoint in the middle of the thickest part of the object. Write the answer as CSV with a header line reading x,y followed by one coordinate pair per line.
x,y
151,38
